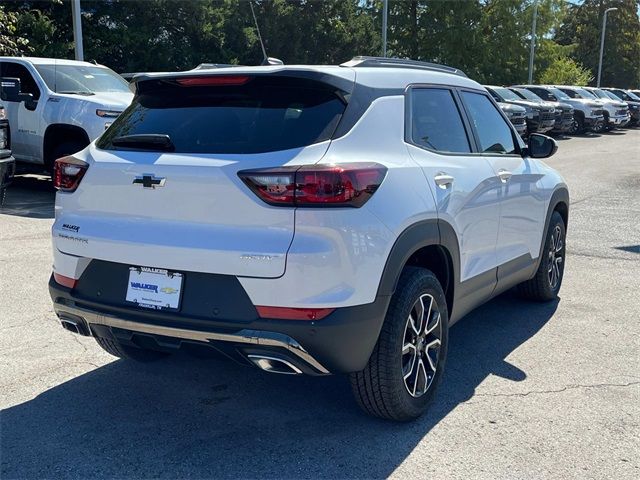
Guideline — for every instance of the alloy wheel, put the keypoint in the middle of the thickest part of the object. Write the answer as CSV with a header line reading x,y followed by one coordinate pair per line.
x,y
574,127
421,345
556,255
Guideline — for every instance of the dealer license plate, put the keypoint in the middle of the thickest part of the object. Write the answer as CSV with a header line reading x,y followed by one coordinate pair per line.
x,y
154,288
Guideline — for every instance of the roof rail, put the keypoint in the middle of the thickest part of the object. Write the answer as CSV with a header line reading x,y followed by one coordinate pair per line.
x,y
361,61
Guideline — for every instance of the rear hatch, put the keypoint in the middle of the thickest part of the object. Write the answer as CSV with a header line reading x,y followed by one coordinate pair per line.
x,y
162,188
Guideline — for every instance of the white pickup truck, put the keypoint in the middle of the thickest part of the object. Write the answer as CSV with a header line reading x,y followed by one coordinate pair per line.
x,y
61,106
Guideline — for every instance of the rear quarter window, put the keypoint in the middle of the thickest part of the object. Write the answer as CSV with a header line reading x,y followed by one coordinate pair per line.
x,y
265,114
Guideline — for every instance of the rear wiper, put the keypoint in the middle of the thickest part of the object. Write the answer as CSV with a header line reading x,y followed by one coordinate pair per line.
x,y
146,141
69,92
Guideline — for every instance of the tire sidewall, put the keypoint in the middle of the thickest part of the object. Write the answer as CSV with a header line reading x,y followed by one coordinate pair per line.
x,y
416,283
556,220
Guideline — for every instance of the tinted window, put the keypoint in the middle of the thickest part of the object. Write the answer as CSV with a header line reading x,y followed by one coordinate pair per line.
x,y
494,133
585,93
27,82
571,93
435,121
529,95
495,96
505,93
559,93
544,94
265,114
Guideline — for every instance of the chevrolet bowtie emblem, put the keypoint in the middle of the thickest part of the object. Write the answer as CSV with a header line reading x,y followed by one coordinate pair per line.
x,y
149,181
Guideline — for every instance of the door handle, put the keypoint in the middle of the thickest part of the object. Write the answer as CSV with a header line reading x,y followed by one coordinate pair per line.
x,y
504,175
443,180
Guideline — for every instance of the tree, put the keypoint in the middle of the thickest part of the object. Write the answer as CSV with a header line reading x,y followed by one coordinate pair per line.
x,y
565,71
11,44
582,31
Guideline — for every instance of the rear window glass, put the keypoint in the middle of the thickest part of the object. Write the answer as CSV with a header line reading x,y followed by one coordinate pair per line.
x,y
436,123
265,114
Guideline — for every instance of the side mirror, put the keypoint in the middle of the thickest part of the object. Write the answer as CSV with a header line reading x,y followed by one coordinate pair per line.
x,y
10,92
10,89
29,102
541,146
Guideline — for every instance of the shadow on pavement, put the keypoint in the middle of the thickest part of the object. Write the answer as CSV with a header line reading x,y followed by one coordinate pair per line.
x,y
30,196
629,248
186,417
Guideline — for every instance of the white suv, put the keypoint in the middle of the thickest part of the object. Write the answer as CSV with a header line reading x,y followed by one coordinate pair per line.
x,y
61,106
306,219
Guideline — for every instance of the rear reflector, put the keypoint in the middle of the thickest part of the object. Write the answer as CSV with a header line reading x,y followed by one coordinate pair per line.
x,y
213,80
65,281
286,313
344,185
67,173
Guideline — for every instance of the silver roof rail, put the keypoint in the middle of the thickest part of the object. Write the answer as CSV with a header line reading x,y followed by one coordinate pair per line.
x,y
362,61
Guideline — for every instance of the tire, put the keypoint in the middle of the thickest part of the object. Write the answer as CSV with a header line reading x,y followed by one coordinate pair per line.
x,y
578,126
598,128
62,150
546,283
117,349
384,388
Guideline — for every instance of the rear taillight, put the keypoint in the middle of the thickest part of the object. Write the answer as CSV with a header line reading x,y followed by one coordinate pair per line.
x,y
67,173
344,185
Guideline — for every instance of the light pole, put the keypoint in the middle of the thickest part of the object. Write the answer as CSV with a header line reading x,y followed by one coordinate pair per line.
x,y
604,29
533,41
385,12
77,28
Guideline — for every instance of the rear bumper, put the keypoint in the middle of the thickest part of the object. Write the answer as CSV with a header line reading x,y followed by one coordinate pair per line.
x,y
339,343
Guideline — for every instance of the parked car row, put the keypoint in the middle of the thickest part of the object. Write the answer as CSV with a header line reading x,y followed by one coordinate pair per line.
x,y
247,187
60,106
563,109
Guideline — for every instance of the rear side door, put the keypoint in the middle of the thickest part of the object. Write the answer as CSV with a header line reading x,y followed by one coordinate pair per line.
x,y
463,184
522,203
24,119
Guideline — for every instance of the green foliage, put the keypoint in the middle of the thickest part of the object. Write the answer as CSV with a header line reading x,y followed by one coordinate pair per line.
x,y
10,43
565,71
488,39
582,31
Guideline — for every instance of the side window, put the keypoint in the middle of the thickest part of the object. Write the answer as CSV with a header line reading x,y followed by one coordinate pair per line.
x,y
494,95
494,133
543,94
27,82
436,123
571,93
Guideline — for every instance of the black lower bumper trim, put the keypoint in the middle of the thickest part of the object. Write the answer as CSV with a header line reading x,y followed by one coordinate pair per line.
x,y
339,343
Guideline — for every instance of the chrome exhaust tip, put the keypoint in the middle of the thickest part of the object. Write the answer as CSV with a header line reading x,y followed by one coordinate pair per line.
x,y
274,365
74,326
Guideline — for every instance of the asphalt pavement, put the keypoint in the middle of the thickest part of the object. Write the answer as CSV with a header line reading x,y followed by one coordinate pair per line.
x,y
531,390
